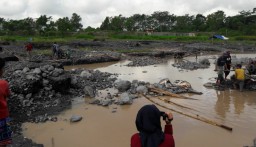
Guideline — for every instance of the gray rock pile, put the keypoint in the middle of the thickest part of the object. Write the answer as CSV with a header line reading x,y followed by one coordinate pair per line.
x,y
145,61
204,63
40,90
36,88
128,91
88,82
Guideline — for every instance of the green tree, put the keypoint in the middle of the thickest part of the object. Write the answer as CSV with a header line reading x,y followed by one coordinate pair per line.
x,y
151,23
164,20
215,21
2,20
106,24
129,24
63,25
28,25
234,22
10,25
199,23
140,22
184,23
42,23
75,22
89,29
249,22
117,23
51,26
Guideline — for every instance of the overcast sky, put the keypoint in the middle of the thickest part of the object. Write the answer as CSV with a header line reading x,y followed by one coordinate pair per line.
x,y
93,12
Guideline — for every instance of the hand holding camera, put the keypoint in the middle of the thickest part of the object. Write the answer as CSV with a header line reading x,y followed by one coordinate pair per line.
x,y
167,117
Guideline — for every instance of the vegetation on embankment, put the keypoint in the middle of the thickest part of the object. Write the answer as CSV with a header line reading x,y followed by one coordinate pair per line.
x,y
103,36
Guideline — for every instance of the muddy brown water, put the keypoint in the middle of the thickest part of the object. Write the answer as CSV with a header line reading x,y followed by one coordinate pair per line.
x,y
113,126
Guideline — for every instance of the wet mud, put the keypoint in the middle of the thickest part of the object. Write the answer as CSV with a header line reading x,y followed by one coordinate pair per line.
x,y
229,107
114,125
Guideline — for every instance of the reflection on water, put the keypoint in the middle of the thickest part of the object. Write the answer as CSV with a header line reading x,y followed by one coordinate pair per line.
x,y
230,107
223,103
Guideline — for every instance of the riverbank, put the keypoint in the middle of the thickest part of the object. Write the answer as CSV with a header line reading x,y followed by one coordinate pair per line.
x,y
228,107
41,88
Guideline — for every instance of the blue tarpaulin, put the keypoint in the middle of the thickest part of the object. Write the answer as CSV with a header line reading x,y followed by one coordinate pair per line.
x,y
220,37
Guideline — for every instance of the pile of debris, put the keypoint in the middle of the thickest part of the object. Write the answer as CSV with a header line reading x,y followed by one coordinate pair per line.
x,y
204,63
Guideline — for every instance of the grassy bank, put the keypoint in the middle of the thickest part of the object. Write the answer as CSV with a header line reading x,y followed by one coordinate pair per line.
x,y
203,37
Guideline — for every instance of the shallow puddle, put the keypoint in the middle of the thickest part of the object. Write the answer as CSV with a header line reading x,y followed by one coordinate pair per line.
x,y
114,125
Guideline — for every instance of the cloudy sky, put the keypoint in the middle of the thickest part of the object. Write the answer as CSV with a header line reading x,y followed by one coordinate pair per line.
x,y
93,12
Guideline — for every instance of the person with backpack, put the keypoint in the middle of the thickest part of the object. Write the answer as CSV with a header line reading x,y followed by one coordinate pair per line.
x,y
5,129
55,50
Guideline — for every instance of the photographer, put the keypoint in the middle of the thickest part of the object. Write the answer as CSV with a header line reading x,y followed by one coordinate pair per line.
x,y
148,123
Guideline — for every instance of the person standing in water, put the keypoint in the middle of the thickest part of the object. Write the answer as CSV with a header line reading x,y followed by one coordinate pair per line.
x,y
219,67
228,64
240,77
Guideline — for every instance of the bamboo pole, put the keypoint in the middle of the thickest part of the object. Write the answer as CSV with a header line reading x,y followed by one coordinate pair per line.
x,y
158,90
197,117
225,70
168,101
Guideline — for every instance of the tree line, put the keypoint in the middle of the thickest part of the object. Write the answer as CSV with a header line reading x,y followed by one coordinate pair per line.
x,y
162,21
244,23
44,25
